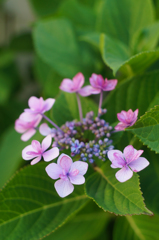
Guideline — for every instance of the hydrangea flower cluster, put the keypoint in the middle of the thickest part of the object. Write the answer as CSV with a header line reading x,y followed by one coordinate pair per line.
x,y
88,140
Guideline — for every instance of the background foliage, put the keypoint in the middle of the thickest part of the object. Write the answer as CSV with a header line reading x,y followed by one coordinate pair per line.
x,y
118,39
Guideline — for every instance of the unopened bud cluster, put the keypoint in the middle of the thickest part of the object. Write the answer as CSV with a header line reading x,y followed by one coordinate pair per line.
x,y
75,135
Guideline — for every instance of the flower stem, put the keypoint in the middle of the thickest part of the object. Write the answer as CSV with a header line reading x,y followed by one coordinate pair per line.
x,y
100,102
48,119
79,107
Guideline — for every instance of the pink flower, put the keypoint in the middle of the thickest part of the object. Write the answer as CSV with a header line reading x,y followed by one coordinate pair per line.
x,y
69,173
37,151
98,84
37,106
27,128
126,119
70,86
129,162
45,130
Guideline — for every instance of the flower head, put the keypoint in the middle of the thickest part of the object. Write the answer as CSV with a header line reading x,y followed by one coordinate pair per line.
x,y
126,119
129,161
74,85
28,128
37,151
37,106
98,84
69,173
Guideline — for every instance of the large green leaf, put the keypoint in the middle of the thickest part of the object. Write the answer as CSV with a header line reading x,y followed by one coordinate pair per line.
x,y
150,181
55,43
116,55
136,228
147,129
66,109
113,196
30,207
136,92
122,19
85,225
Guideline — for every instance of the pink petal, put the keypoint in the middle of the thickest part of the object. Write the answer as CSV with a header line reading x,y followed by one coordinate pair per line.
x,y
139,164
46,142
67,85
48,103
77,180
63,188
33,102
97,81
29,116
65,162
122,116
25,156
36,160
44,129
117,158
36,145
121,126
50,154
81,166
78,81
109,85
137,154
112,166
20,126
54,170
88,90
136,113
129,152
28,134
124,174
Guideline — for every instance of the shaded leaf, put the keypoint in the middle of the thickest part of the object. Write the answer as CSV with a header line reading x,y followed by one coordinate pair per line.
x,y
85,225
30,207
136,92
113,196
136,228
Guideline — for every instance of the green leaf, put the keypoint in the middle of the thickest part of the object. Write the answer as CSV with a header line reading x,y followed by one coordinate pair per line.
x,y
56,44
85,225
147,38
22,43
93,38
116,55
113,196
147,129
66,109
72,8
136,92
122,19
30,207
10,153
150,181
136,228
48,79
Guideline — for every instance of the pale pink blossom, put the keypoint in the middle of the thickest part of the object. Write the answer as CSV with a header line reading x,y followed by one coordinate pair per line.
x,y
69,173
74,85
38,106
98,84
36,151
129,161
126,119
45,130
27,128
